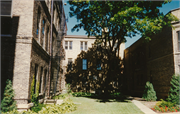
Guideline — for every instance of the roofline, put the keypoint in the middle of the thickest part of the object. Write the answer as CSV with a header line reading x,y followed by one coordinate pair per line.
x,y
79,36
173,10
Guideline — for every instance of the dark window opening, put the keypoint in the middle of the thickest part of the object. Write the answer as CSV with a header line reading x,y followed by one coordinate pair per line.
x,y
98,64
38,20
6,8
84,64
35,77
178,34
40,82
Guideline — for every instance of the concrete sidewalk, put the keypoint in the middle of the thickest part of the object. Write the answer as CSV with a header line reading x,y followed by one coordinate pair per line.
x,y
143,108
147,110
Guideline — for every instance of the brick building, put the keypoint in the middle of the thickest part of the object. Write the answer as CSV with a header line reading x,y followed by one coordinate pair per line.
x,y
32,46
155,61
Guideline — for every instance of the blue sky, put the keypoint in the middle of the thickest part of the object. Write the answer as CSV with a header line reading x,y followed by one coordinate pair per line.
x,y
72,21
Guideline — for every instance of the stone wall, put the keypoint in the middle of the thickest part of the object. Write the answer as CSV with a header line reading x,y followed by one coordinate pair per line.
x,y
150,61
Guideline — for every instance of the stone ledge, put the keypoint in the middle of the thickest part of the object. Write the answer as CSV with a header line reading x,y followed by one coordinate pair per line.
x,y
24,106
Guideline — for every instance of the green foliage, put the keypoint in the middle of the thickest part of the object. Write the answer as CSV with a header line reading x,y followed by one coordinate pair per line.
x,y
164,106
68,87
119,19
61,96
149,93
67,106
8,103
81,94
174,95
38,107
34,96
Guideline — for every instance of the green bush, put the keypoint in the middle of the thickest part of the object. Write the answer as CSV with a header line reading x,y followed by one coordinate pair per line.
x,y
67,106
61,96
174,95
149,93
8,103
38,107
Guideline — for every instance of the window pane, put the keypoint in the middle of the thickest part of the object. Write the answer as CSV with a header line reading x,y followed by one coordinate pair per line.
x,y
81,46
70,45
98,64
178,33
6,7
84,64
85,45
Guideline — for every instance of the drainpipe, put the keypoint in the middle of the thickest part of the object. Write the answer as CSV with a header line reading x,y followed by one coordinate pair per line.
x,y
50,51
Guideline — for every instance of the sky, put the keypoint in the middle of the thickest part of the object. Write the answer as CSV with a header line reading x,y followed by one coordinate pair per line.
x,y
72,20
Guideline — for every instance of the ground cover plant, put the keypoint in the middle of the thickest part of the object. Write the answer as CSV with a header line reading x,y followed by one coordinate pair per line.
x,y
166,106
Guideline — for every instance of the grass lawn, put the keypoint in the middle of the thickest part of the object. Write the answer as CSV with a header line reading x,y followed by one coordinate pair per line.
x,y
94,106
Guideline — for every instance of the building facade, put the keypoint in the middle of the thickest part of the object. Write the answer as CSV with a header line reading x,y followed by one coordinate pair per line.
x,y
73,46
155,61
32,46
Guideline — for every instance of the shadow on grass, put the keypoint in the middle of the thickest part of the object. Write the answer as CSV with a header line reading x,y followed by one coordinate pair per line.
x,y
107,98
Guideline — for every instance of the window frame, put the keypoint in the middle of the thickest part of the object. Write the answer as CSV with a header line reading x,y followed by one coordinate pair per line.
x,y
70,45
66,45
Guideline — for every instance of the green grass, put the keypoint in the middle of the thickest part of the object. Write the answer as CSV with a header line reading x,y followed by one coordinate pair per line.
x,y
94,106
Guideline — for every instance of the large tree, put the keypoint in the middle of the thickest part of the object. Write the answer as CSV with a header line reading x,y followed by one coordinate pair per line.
x,y
113,21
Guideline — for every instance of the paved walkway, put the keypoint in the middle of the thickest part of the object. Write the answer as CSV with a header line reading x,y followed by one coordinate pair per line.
x,y
146,110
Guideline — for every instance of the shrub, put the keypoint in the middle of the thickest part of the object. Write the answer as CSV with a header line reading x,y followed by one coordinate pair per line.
x,y
174,95
8,104
61,96
38,107
149,93
67,106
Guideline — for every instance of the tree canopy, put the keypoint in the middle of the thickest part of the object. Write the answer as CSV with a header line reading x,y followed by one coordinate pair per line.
x,y
112,21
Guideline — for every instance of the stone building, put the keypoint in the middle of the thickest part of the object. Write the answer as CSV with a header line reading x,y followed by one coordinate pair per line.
x,y
32,46
155,61
87,64
74,44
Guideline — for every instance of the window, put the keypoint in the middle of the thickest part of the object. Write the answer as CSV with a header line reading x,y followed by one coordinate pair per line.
x,y
83,46
38,20
98,64
84,64
178,34
43,37
69,64
36,77
6,8
44,82
47,36
40,84
68,44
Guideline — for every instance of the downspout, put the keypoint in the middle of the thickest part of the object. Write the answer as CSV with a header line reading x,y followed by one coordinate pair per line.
x,y
50,51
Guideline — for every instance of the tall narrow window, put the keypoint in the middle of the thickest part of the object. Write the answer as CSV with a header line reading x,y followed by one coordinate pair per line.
x,y
85,45
44,82
98,64
178,34
43,35
84,64
38,20
36,77
70,45
66,44
40,84
81,46
69,64
47,36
